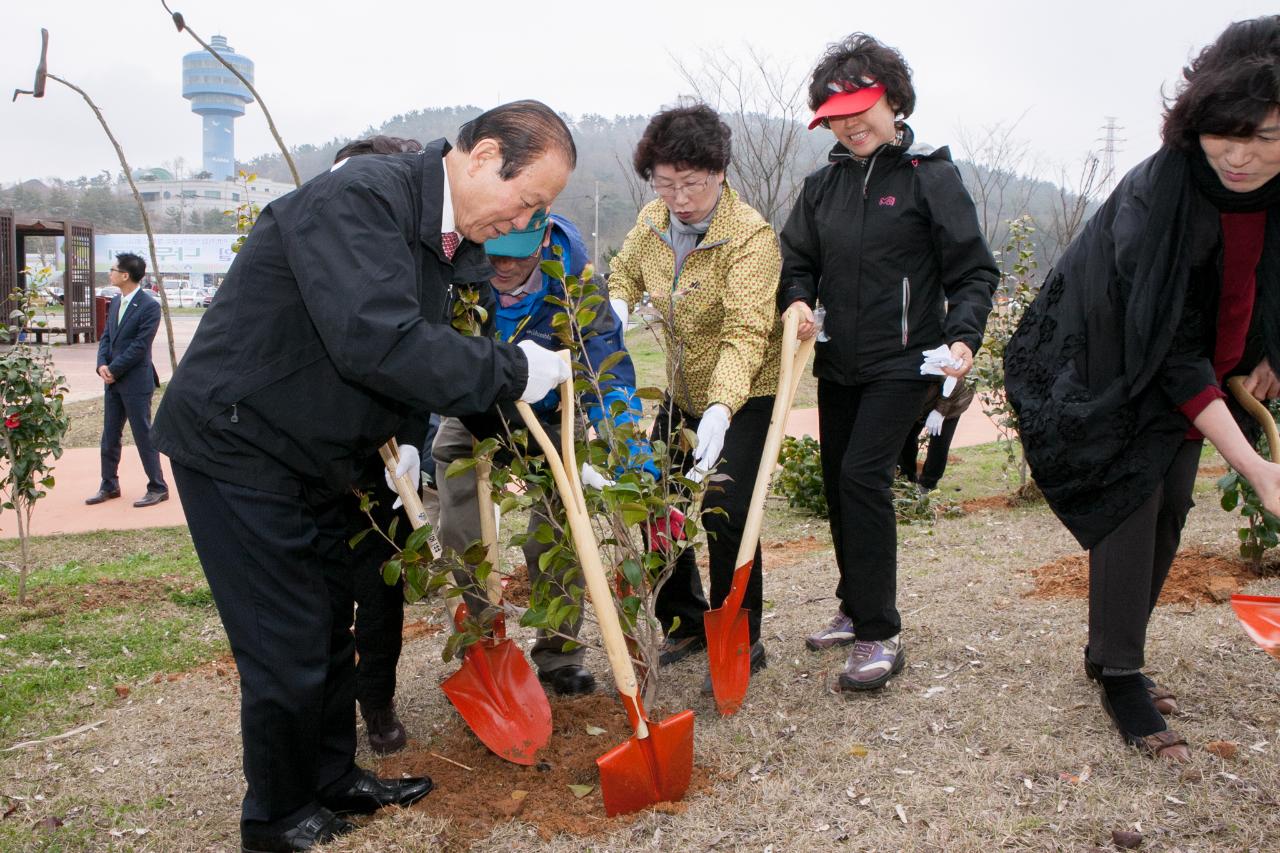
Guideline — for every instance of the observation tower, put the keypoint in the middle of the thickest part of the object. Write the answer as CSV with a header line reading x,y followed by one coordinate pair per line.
x,y
219,98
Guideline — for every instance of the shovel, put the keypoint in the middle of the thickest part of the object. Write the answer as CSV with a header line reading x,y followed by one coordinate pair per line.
x,y
728,633
494,690
1259,614
656,764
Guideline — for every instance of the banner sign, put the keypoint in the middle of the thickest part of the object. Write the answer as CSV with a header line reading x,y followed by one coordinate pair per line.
x,y
176,253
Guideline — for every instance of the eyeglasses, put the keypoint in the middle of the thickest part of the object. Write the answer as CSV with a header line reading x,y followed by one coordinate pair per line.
x,y
116,269
669,190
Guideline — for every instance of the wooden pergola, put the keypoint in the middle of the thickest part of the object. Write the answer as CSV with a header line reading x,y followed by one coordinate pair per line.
x,y
77,246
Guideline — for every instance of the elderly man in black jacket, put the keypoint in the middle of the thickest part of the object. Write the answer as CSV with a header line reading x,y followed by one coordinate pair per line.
x,y
328,333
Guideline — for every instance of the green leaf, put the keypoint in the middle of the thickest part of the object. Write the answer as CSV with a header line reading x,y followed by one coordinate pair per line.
x,y
633,573
359,537
580,791
391,571
458,466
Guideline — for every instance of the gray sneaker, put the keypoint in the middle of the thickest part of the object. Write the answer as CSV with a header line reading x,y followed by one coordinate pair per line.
x,y
872,663
838,633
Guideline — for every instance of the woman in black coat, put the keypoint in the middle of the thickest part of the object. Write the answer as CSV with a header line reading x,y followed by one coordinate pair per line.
x,y
885,238
1116,369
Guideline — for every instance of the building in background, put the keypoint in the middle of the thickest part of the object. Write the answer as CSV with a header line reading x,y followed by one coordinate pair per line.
x,y
219,98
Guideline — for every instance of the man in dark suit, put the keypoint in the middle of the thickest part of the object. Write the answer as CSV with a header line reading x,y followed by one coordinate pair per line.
x,y
124,363
330,333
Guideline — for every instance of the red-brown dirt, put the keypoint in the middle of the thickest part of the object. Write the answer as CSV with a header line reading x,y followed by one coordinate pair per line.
x,y
778,555
489,790
1196,576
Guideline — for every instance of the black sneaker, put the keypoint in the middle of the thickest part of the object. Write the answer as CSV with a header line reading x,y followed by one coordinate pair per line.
x,y
386,732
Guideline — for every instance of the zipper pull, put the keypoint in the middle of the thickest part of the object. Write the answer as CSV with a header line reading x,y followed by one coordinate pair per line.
x,y
235,416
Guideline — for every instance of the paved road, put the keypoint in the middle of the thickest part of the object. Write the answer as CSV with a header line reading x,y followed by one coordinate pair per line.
x,y
76,474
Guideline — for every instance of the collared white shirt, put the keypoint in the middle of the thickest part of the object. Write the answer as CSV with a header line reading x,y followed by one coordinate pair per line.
x,y
446,207
125,300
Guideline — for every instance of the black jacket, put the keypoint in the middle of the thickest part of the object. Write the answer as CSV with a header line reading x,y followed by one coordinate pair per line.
x,y
1116,340
892,249
125,346
330,331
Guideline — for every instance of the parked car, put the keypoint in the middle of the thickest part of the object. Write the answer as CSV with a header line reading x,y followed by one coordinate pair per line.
x,y
108,290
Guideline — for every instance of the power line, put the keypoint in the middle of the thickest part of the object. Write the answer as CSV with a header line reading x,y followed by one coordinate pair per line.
x,y
1110,147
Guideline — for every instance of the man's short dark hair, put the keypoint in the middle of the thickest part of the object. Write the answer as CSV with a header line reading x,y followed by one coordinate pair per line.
x,y
686,137
131,265
857,59
1230,88
377,145
524,131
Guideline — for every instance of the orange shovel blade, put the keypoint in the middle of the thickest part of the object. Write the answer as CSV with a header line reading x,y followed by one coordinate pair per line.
x,y
1260,616
729,645
641,772
500,699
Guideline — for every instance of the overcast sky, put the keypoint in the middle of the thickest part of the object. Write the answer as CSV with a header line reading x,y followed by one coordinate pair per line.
x,y
330,69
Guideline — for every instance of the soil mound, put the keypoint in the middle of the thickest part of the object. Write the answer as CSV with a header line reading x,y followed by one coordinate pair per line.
x,y
487,790
1196,576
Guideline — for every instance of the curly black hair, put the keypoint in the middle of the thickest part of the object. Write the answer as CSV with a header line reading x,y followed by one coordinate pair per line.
x,y
1230,88
857,59
687,137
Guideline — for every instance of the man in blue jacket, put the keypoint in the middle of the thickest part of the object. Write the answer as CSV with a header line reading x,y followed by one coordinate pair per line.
x,y
124,363
523,310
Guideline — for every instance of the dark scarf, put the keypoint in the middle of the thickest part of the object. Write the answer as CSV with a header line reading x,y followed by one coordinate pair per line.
x,y
1155,298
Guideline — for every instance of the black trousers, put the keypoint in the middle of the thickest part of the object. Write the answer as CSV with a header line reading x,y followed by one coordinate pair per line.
x,y
278,567
379,619
1128,568
861,429
136,408
682,597
935,459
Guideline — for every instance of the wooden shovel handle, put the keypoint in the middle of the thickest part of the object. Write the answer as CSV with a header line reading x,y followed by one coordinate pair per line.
x,y
615,642
409,496
777,427
1260,413
488,530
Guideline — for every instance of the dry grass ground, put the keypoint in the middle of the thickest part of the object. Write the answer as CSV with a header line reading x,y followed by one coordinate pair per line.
x,y
991,739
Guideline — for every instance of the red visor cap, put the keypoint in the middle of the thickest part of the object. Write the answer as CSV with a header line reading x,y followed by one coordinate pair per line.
x,y
847,103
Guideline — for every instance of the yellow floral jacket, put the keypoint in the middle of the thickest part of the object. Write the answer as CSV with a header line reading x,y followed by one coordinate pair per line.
x,y
724,338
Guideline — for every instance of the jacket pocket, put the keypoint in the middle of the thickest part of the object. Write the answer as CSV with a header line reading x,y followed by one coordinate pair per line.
x,y
906,310
273,371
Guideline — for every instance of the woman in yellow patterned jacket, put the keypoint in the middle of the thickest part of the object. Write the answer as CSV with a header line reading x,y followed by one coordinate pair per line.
x,y
710,264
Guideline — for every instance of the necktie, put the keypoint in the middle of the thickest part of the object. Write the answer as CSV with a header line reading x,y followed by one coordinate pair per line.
x,y
450,240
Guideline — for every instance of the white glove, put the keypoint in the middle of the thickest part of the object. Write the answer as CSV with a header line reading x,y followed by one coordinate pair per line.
x,y
933,423
410,464
620,308
934,360
546,371
593,479
711,430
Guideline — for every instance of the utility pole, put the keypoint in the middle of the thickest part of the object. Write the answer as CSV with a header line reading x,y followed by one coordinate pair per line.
x,y
595,235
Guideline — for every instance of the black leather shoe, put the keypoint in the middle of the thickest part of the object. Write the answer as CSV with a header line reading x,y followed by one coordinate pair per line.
x,y
102,495
319,827
368,793
151,499
571,680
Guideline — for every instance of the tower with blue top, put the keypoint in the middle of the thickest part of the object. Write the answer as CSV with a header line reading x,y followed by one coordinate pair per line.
x,y
219,98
